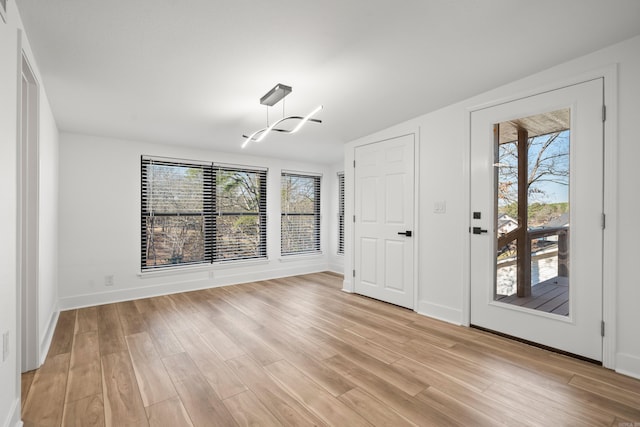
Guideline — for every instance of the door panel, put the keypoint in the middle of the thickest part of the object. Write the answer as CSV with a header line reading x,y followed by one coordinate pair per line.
x,y
384,188
558,305
369,207
395,205
369,259
394,268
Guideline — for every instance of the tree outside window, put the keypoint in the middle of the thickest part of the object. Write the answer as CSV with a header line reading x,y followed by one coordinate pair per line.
x,y
300,220
200,213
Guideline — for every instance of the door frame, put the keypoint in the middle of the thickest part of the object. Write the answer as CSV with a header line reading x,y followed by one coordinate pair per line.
x,y
610,197
27,230
349,176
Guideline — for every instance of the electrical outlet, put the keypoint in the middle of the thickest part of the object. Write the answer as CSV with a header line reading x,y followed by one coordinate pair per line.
x,y
5,346
108,280
211,275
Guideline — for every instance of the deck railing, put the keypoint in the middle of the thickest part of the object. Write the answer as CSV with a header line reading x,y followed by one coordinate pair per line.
x,y
524,259
563,245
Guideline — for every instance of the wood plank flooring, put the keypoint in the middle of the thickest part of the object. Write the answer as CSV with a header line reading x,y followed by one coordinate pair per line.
x,y
550,296
300,352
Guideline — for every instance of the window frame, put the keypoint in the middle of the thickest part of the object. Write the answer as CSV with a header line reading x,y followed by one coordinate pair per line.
x,y
341,218
317,217
261,214
209,214
147,211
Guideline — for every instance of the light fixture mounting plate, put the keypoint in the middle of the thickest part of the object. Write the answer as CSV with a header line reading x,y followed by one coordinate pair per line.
x,y
278,92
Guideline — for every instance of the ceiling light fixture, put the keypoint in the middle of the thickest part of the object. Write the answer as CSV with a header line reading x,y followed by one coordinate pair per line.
x,y
278,92
271,98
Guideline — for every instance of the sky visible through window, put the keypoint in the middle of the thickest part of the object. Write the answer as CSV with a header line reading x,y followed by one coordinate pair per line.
x,y
548,169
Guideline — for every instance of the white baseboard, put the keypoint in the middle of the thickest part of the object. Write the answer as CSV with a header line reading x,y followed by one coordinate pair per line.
x,y
336,268
440,312
627,364
13,417
347,285
183,284
45,341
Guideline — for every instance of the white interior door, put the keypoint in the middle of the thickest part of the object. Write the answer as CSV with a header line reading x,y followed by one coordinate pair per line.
x,y
384,211
562,307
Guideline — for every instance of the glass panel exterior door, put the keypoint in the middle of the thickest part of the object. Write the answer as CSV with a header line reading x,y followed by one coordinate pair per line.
x,y
536,170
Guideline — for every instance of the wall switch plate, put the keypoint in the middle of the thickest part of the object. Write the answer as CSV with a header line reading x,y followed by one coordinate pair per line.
x,y
440,207
5,346
108,280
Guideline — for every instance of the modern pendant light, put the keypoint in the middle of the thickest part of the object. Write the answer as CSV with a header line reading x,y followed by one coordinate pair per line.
x,y
271,98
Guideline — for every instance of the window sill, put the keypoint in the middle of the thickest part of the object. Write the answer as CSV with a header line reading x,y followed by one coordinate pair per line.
x,y
171,271
298,257
221,265
218,265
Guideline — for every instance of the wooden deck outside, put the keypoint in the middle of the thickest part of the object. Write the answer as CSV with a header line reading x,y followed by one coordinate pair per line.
x,y
550,296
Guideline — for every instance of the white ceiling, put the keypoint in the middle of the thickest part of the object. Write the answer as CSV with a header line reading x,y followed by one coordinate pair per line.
x,y
192,72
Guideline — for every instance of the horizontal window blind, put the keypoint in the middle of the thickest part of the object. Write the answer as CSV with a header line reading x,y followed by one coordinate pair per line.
x,y
201,213
341,213
300,220
176,213
240,213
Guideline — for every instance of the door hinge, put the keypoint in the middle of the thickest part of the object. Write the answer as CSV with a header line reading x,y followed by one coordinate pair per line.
x,y
354,273
354,218
354,163
602,328
604,221
604,113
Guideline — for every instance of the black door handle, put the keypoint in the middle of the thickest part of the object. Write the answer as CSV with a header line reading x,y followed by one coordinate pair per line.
x,y
478,230
405,233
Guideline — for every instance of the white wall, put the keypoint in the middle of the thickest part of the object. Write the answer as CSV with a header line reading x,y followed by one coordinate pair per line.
x,y
443,169
48,226
11,37
9,388
100,223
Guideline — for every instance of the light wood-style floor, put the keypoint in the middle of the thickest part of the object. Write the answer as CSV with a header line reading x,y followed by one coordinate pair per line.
x,y
298,351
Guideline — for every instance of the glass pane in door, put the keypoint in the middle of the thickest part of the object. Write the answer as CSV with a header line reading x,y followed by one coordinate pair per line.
x,y
532,211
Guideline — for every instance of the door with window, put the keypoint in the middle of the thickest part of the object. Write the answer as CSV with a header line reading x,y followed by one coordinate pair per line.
x,y
537,218
384,211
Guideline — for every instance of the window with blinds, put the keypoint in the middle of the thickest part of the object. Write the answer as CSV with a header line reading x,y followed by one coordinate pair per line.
x,y
176,213
240,214
194,213
341,213
300,220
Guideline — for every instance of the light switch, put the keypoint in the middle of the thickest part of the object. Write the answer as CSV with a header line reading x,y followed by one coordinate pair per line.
x,y
440,207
